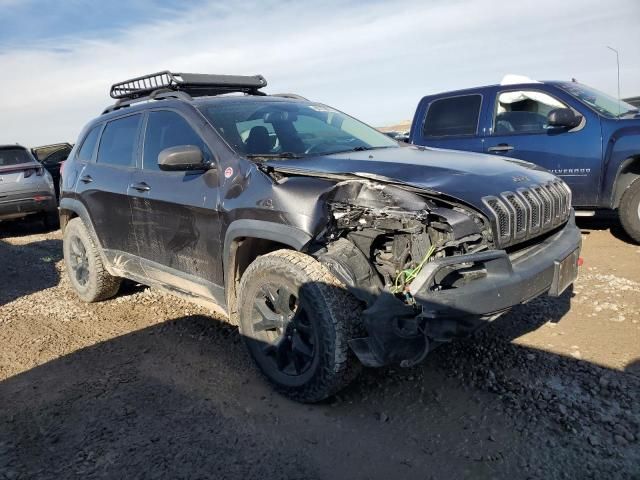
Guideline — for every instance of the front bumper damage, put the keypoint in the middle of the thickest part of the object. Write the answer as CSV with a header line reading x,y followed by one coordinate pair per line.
x,y
489,283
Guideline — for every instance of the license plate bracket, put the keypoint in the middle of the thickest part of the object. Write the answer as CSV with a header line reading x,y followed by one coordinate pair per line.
x,y
565,273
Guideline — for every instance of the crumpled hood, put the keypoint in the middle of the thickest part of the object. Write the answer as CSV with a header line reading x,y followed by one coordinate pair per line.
x,y
462,175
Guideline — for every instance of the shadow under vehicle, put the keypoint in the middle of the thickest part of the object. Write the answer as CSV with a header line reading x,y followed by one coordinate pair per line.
x,y
261,205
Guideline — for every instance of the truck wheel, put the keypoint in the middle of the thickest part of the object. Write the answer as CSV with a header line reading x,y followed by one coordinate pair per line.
x,y
296,319
629,210
87,274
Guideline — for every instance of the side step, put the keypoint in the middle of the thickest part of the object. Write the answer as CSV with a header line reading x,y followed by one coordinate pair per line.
x,y
585,213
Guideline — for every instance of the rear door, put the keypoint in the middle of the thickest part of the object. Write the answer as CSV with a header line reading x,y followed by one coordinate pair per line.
x,y
519,130
102,185
174,213
451,122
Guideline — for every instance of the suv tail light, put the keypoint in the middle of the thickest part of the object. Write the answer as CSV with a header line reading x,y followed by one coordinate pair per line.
x,y
38,171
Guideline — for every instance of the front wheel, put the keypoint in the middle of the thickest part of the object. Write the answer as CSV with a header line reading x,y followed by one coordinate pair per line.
x,y
629,210
296,319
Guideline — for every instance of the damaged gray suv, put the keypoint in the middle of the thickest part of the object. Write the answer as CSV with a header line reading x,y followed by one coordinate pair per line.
x,y
329,244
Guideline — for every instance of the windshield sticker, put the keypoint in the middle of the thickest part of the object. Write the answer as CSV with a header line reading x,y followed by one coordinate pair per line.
x,y
228,172
318,108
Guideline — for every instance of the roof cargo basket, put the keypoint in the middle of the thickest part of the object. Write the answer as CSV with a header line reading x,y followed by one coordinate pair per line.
x,y
194,84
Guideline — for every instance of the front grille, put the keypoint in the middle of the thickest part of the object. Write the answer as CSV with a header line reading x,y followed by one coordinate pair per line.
x,y
529,212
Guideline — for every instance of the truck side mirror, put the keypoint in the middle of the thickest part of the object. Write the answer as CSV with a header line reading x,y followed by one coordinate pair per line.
x,y
182,157
563,117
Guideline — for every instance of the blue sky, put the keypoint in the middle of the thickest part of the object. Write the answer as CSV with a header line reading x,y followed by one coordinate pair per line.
x,y
372,59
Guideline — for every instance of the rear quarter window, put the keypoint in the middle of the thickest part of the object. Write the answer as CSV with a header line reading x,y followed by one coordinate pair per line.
x,y
453,116
89,144
118,141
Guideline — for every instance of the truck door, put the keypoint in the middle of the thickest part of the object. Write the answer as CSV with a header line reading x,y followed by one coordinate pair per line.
x,y
450,122
519,129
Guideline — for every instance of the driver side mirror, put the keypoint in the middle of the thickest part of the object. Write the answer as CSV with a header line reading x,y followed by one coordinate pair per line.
x,y
182,157
563,117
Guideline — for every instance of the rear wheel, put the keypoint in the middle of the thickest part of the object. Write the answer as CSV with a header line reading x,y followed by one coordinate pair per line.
x,y
629,210
297,319
85,269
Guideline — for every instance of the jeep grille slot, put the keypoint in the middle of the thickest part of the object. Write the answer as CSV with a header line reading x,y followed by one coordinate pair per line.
x,y
501,216
518,216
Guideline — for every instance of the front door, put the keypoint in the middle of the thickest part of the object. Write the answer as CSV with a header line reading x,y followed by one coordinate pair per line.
x,y
520,131
174,213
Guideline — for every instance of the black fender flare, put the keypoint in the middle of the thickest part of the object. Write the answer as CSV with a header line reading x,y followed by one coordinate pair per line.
x,y
277,232
288,235
77,207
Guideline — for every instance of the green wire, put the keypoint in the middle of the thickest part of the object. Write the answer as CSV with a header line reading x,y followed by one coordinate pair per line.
x,y
412,273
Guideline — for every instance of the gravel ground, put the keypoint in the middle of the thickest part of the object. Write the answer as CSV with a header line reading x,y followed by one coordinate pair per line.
x,y
148,386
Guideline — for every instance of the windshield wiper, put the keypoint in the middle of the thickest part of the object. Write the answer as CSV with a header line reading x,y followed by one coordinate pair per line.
x,y
274,155
359,149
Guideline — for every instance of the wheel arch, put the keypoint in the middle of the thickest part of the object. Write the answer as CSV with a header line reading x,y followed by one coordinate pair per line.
x,y
71,208
246,240
628,171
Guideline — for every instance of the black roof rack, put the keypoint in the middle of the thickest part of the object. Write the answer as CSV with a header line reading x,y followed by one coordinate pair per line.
x,y
162,85
195,84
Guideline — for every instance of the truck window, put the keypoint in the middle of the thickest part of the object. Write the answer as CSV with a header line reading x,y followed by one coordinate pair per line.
x,y
523,111
453,116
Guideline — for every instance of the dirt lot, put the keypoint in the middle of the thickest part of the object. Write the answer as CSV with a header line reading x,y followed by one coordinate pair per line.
x,y
147,386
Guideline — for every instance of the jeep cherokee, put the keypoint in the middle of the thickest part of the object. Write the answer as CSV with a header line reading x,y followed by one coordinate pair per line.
x,y
329,244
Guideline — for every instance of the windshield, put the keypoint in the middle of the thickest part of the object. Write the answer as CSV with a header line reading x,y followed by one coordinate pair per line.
x,y
14,156
599,101
290,129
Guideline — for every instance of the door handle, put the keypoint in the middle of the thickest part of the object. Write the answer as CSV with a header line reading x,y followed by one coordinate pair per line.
x,y
141,187
86,179
500,148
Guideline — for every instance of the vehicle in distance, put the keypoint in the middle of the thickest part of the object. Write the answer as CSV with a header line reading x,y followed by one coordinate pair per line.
x,y
587,138
52,157
26,188
326,242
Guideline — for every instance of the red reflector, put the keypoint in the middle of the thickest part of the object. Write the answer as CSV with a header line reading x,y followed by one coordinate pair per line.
x,y
580,261
39,198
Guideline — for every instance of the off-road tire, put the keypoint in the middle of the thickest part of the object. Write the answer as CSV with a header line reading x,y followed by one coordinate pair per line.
x,y
629,210
100,285
335,317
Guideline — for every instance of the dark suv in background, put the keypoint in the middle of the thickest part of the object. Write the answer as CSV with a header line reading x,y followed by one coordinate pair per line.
x,y
329,244
52,157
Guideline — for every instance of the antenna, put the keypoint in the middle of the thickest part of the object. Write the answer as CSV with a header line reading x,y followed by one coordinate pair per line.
x,y
618,63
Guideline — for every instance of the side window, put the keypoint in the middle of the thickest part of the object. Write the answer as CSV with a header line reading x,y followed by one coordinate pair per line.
x,y
89,145
167,129
118,142
454,116
523,112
